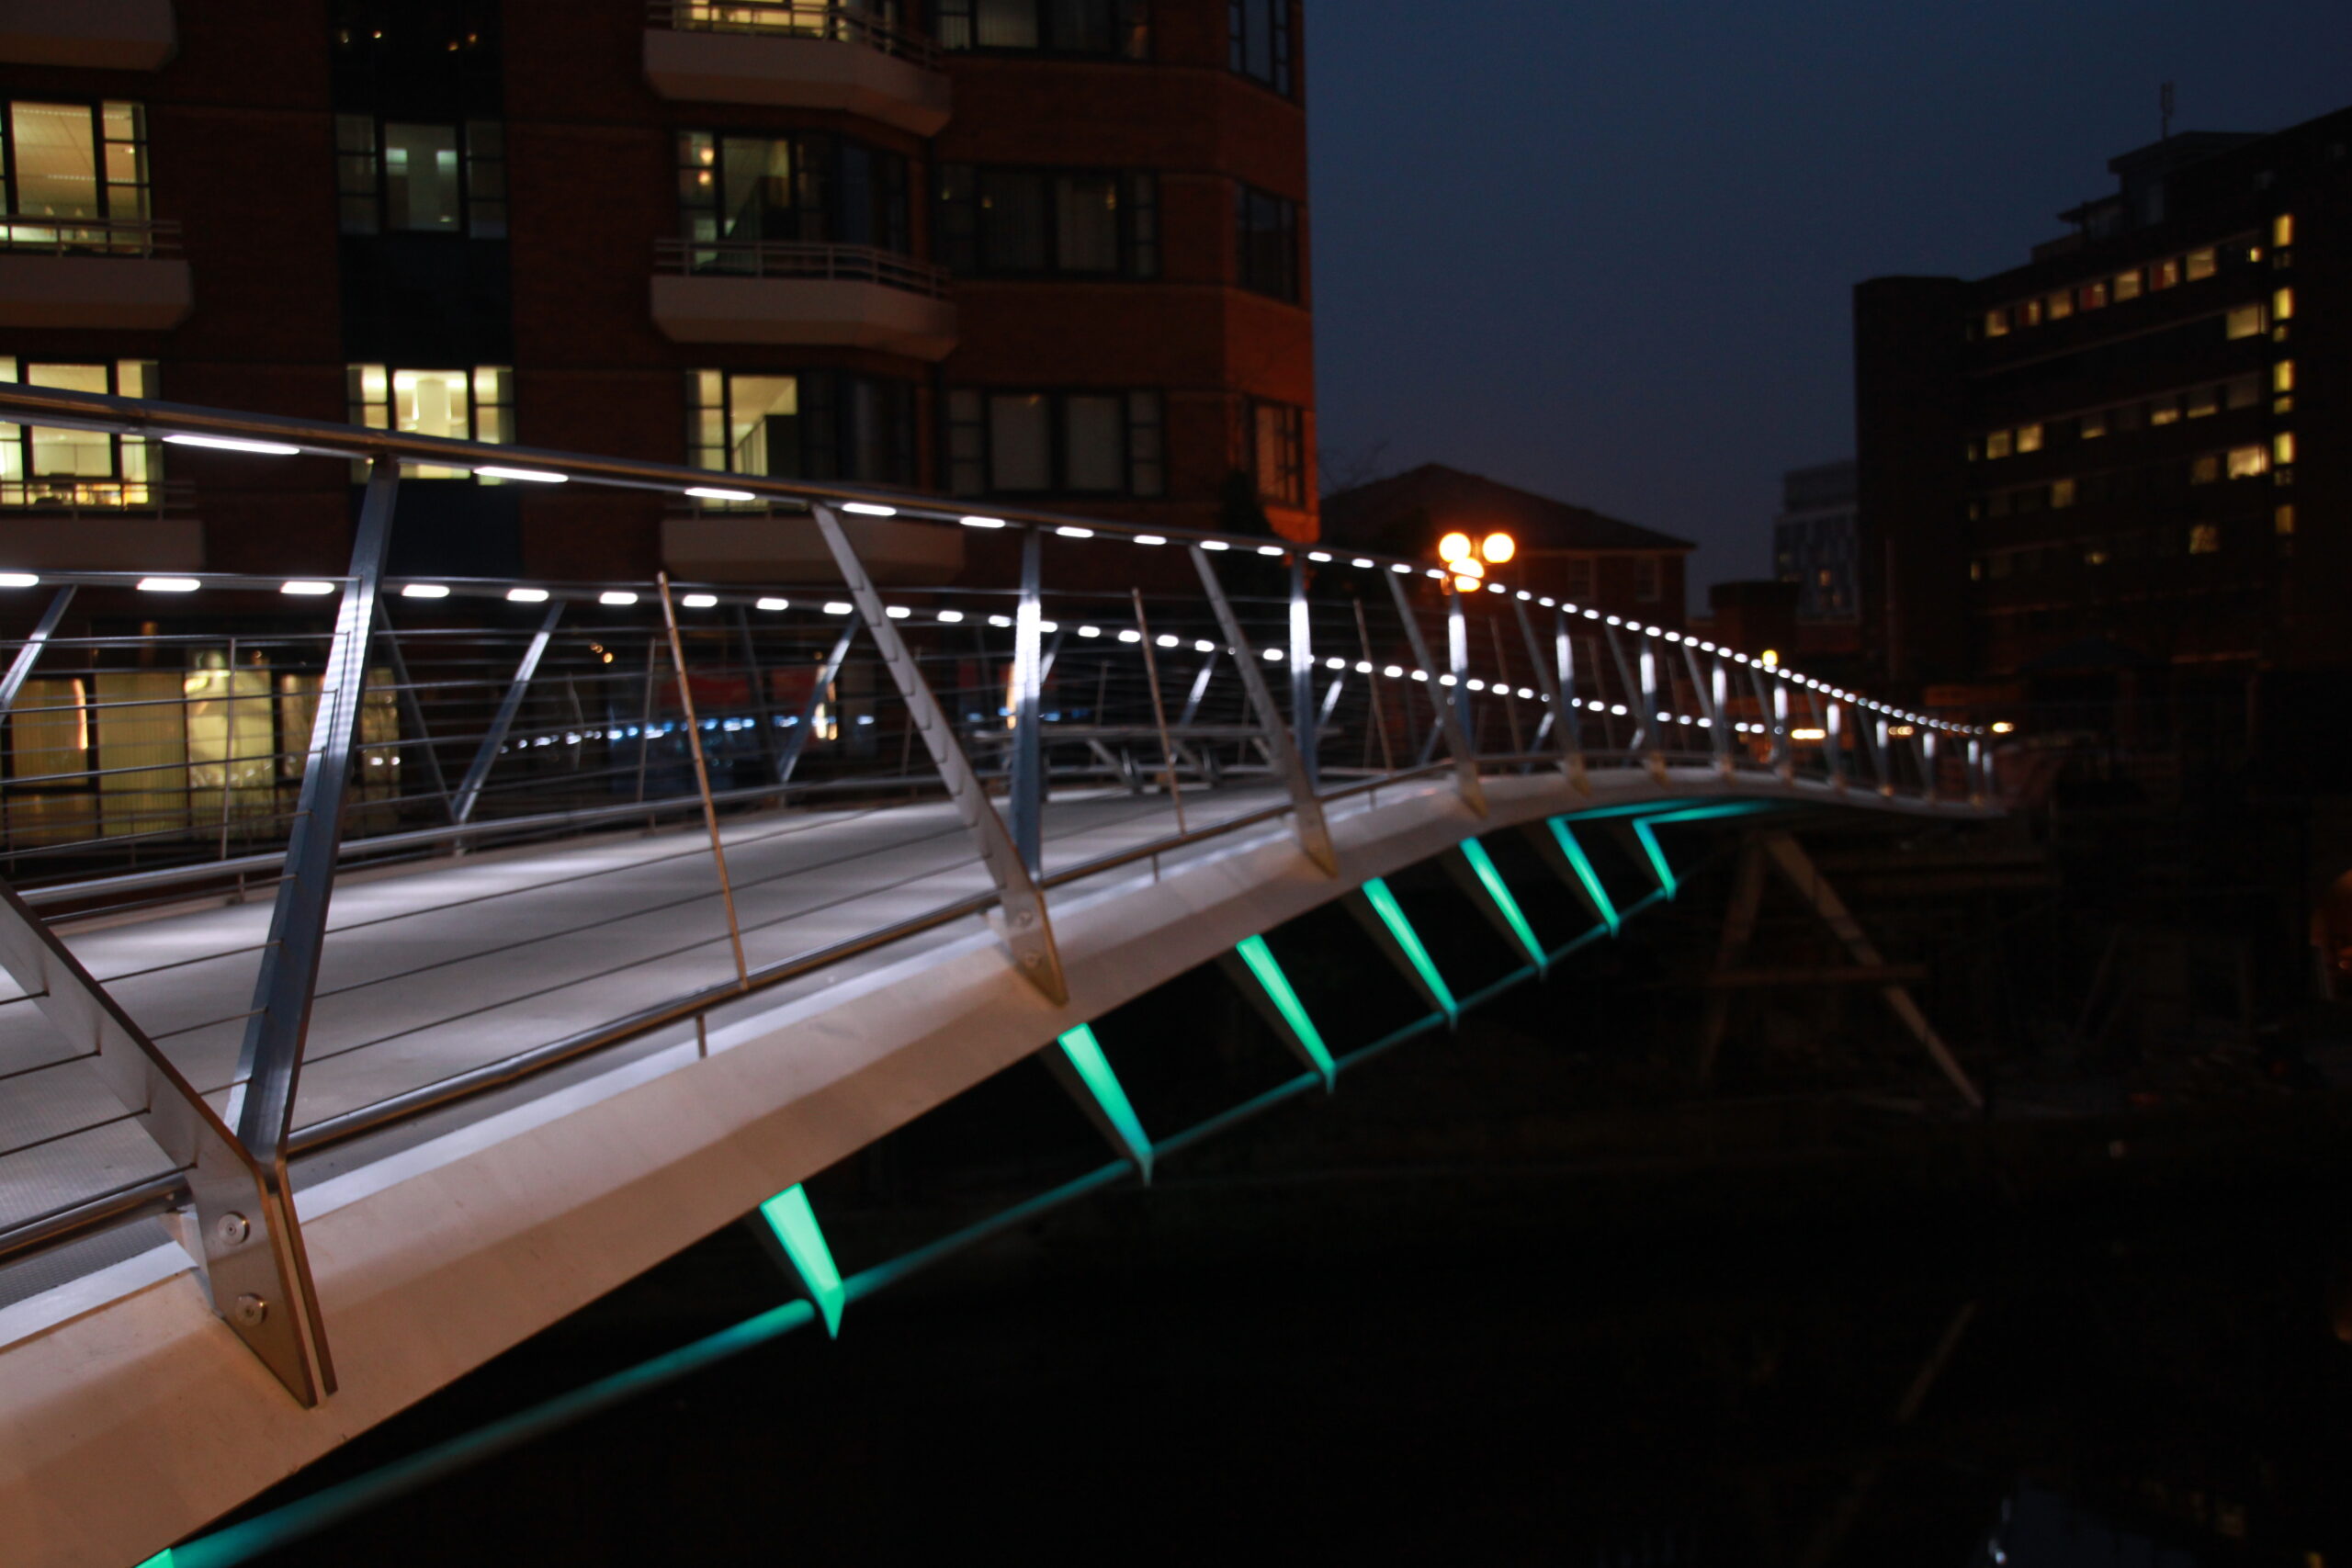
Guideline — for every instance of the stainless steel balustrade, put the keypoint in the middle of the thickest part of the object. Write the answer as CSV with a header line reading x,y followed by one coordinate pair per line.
x,y
859,765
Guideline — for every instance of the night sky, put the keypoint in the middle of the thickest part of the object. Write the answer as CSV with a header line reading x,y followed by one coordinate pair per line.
x,y
1606,251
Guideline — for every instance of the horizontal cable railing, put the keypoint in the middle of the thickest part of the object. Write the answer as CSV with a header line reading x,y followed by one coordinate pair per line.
x,y
697,791
66,234
798,261
847,23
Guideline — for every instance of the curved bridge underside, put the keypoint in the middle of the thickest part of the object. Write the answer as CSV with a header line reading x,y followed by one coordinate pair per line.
x,y
443,1240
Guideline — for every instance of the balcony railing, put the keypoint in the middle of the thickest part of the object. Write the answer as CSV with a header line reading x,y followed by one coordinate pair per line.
x,y
796,19
143,237
82,495
789,259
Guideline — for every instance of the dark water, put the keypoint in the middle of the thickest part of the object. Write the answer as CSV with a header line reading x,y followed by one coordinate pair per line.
x,y
1391,1362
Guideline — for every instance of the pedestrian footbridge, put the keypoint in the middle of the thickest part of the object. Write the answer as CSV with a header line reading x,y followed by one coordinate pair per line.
x,y
395,964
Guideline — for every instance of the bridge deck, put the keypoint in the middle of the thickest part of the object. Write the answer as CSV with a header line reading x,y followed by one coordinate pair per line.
x,y
435,971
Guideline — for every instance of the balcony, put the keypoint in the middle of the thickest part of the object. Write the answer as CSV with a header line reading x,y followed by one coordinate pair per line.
x,y
759,544
770,292
809,55
67,523
93,273
104,35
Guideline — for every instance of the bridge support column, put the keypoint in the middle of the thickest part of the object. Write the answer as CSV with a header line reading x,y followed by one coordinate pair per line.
x,y
1076,1061
1252,967
1027,930
1306,807
1449,712
1556,842
1374,908
1482,882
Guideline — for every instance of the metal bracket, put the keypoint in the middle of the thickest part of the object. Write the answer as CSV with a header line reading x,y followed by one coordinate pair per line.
x,y
1449,717
1313,833
509,705
1027,930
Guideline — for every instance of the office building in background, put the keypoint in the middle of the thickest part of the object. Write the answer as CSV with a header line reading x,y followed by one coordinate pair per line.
x,y
1813,539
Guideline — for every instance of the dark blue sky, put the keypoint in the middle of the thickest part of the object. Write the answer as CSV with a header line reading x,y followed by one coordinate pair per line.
x,y
1606,251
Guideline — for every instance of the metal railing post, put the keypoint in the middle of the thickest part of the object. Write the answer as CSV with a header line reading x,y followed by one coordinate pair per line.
x,y
1874,734
1719,690
1653,721
1449,717
1783,750
1457,664
412,711
28,656
462,809
1158,709
771,744
788,757
269,1063
1928,780
1833,741
1026,782
1559,692
1303,719
1306,810
245,1242
1979,787
701,775
1027,930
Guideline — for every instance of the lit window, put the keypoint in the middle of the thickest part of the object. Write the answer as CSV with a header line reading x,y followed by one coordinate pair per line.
x,y
2204,400
2205,539
2282,375
1259,43
2165,273
2095,555
2282,305
86,162
44,466
2282,230
2127,285
2060,306
398,176
1266,227
1116,28
1094,443
2091,297
1997,444
2246,320
459,405
2249,462
2094,425
1277,453
2062,493
2282,448
1997,323
2029,438
816,425
736,192
1016,222
2164,411
2200,265
2283,521
2030,313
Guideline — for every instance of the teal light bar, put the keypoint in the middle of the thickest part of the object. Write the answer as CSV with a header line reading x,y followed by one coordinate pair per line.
x,y
1392,915
1492,881
1642,827
1585,873
1085,1055
794,1223
1665,883
1260,960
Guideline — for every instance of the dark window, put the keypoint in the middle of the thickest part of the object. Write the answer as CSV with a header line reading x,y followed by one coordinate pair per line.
x,y
1117,28
1000,222
813,424
1278,452
1268,228
421,178
80,166
1647,579
800,189
1258,40
1070,443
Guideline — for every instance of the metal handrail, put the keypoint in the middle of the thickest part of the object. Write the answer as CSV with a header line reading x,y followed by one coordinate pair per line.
x,y
828,19
143,238
798,261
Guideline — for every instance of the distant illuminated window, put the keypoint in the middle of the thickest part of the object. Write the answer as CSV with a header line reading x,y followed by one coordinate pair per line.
x,y
2283,521
2164,411
1998,444
2246,320
2249,462
2091,297
45,466
2062,493
2205,539
2282,375
2282,305
399,176
1278,452
1116,28
2030,313
2094,425
807,187
459,405
2204,400
2029,438
2095,554
2200,265
80,161
2127,285
813,424
2282,448
2060,306
2165,273
2282,230
1997,323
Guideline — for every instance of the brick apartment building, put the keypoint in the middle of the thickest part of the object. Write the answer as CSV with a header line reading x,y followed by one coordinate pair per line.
x,y
1052,251
2134,451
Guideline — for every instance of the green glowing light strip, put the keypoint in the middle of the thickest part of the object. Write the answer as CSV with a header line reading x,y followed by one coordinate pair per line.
x,y
1085,1053
1260,959
794,1223
1585,873
1642,827
1492,881
1665,882
1392,915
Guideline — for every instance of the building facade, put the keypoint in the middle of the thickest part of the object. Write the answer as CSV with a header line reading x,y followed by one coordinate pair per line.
x,y
1813,540
1559,550
1048,251
2134,451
